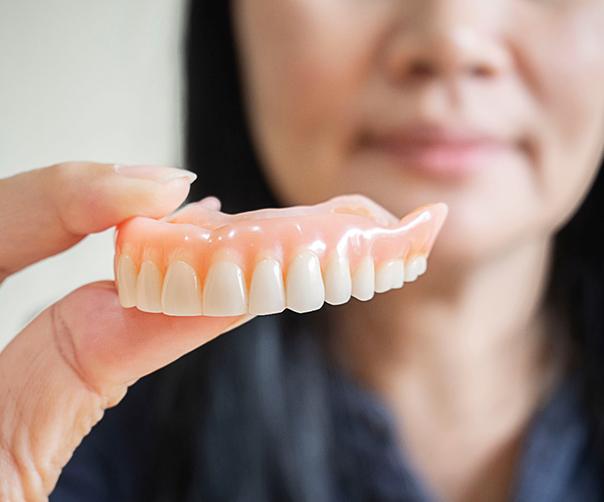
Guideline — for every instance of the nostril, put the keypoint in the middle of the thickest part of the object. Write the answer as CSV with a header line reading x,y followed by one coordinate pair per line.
x,y
421,69
424,69
482,71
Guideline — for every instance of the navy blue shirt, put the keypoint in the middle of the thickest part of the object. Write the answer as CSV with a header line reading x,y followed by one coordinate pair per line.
x,y
558,461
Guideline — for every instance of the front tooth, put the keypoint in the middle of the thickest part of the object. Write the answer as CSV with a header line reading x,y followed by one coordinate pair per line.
x,y
338,284
224,292
267,295
363,280
414,267
148,288
180,294
390,275
126,281
305,289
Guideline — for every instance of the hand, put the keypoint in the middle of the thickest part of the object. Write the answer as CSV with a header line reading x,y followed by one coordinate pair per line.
x,y
79,356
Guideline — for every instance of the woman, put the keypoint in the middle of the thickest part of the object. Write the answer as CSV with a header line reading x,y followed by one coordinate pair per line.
x,y
479,382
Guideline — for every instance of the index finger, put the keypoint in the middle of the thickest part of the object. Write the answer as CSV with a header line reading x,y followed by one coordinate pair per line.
x,y
48,210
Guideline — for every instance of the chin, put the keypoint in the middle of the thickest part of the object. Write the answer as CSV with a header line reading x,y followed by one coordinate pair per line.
x,y
466,242
457,246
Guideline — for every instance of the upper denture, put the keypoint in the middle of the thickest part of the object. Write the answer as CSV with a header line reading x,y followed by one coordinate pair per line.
x,y
203,262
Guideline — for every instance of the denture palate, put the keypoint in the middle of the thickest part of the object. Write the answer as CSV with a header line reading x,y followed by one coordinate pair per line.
x,y
200,261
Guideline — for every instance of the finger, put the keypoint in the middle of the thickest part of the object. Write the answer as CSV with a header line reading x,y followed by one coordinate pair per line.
x,y
211,202
47,210
123,345
71,363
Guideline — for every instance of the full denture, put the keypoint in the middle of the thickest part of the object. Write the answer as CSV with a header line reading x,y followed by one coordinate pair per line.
x,y
200,261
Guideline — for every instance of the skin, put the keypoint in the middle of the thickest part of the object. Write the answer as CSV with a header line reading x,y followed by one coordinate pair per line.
x,y
464,357
59,375
474,359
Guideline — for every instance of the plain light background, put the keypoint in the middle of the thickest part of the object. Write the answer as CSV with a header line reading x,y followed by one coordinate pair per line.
x,y
84,80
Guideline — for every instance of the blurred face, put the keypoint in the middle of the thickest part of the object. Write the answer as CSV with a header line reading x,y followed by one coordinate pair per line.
x,y
494,107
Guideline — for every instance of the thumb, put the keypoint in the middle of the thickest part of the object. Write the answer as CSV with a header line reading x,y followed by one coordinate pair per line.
x,y
48,210
71,363
122,345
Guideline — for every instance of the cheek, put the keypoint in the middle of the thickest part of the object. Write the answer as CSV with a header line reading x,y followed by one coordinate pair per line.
x,y
571,94
561,71
306,66
305,63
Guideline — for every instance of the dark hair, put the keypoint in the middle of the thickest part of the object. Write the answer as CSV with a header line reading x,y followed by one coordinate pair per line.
x,y
253,403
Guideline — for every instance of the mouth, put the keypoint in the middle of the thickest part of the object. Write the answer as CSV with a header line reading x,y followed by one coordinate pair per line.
x,y
439,150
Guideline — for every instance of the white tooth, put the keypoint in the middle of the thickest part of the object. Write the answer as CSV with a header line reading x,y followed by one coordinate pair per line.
x,y
305,289
412,269
267,295
126,281
422,265
383,278
338,284
180,294
148,288
363,280
398,274
391,274
224,292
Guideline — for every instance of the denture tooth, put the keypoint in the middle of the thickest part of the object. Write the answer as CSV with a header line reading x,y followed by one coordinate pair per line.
x,y
148,288
267,295
383,278
422,265
363,280
398,274
126,281
413,269
180,294
390,275
304,289
338,283
224,291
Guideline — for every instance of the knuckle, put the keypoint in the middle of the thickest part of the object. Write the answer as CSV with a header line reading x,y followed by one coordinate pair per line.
x,y
63,339
21,478
108,395
69,196
63,173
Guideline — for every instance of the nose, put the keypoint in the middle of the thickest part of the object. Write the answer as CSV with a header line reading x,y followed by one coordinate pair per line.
x,y
448,39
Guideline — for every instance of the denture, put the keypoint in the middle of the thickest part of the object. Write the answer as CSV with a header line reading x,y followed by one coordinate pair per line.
x,y
201,261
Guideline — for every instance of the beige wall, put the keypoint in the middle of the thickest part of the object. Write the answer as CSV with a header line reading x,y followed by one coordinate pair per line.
x,y
84,79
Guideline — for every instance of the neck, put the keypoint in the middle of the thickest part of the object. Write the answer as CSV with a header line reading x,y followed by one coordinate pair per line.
x,y
463,351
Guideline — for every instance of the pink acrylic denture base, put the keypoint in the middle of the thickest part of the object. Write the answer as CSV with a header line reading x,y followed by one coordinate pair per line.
x,y
349,226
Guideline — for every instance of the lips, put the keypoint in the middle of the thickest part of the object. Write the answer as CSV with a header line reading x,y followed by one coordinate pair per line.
x,y
442,151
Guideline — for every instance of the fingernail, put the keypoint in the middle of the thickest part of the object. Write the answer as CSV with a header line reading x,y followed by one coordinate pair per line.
x,y
160,174
211,202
